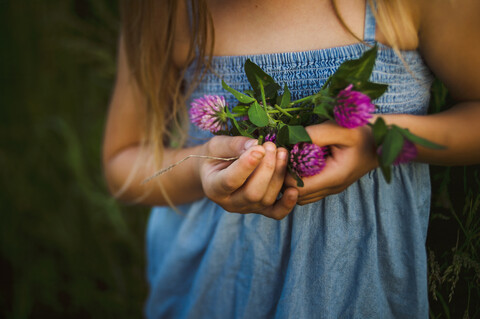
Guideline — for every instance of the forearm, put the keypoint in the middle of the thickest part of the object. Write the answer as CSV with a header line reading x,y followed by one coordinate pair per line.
x,y
458,129
126,170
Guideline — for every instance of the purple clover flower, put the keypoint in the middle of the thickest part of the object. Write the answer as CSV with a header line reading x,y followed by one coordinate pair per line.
x,y
208,113
308,159
408,153
271,137
353,108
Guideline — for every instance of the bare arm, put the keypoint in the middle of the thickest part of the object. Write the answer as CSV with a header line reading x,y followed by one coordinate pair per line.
x,y
121,149
250,184
450,44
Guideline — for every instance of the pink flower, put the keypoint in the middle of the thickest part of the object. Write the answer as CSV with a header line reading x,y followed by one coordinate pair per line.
x,y
408,153
308,159
353,108
208,113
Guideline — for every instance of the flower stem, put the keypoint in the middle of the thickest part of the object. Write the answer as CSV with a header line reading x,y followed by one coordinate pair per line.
x,y
282,111
304,99
262,91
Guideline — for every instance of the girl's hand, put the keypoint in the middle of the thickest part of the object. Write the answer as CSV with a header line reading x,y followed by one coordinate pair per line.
x,y
353,155
251,183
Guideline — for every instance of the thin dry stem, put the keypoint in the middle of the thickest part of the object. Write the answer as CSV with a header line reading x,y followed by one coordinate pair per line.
x,y
162,171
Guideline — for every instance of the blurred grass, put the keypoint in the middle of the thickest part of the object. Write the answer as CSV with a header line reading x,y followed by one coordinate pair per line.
x,y
67,250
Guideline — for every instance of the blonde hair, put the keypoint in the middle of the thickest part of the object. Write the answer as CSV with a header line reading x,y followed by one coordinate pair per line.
x,y
149,29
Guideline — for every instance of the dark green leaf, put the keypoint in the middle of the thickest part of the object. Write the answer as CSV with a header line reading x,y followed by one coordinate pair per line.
x,y
297,134
418,140
257,115
282,136
254,74
295,176
243,98
391,146
250,93
379,129
387,173
286,98
271,91
324,110
438,96
236,125
361,68
354,70
373,90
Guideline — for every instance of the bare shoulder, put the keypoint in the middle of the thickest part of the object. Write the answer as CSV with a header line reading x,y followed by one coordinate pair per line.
x,y
449,40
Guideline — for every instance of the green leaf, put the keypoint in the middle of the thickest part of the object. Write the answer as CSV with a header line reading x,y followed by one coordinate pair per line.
x,y
355,70
391,147
387,173
373,90
361,68
418,140
324,110
297,134
236,125
240,109
242,98
255,73
282,136
379,129
257,115
286,98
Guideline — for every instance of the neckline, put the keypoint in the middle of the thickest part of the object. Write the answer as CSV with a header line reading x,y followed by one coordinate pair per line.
x,y
344,52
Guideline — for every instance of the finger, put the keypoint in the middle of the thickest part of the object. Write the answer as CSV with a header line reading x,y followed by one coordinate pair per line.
x,y
255,188
234,176
283,206
328,133
278,177
309,201
227,146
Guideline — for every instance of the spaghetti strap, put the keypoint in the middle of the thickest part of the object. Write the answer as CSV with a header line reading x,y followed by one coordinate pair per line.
x,y
190,14
370,24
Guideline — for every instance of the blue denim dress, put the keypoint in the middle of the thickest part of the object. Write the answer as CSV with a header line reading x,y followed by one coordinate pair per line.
x,y
357,254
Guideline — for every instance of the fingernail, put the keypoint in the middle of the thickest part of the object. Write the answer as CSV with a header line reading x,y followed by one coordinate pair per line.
x,y
257,155
250,143
269,147
281,155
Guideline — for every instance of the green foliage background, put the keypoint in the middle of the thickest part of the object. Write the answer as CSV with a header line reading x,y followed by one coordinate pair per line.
x,y
67,249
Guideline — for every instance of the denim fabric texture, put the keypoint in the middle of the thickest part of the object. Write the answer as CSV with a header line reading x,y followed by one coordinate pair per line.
x,y
357,254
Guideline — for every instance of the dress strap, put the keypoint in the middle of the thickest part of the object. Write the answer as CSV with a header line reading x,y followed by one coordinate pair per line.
x,y
190,14
370,24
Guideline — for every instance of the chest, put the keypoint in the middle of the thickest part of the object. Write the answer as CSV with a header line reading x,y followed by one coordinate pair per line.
x,y
259,27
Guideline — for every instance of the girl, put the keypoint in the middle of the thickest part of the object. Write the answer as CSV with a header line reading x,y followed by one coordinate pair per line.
x,y
346,245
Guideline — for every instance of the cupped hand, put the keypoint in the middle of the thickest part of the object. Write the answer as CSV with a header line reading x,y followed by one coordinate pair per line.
x,y
352,156
250,184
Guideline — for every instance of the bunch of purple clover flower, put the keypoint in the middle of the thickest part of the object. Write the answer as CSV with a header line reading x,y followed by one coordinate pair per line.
x,y
208,113
308,159
353,108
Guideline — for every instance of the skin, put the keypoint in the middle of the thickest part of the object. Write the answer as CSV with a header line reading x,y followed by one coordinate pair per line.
x,y
251,183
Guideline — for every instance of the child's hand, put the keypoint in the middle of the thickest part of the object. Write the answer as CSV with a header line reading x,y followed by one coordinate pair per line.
x,y
251,183
353,155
